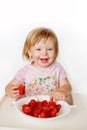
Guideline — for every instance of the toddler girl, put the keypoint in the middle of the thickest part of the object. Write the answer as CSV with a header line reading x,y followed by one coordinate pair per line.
x,y
43,75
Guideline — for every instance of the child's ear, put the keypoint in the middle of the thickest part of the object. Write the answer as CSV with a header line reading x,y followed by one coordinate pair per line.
x,y
30,54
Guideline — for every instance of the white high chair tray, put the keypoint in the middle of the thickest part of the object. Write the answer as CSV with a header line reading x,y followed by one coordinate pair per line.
x,y
12,117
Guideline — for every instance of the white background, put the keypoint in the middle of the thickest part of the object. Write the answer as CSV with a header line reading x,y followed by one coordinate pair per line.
x,y
68,18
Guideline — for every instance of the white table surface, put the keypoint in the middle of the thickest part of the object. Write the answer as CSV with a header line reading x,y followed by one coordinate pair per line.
x,y
11,118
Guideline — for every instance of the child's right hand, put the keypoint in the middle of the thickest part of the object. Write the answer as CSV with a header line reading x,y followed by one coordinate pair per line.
x,y
12,91
15,91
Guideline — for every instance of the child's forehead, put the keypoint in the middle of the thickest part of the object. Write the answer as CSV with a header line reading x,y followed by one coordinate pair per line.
x,y
47,42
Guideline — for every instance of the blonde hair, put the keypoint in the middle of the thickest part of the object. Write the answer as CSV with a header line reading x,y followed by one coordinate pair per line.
x,y
35,36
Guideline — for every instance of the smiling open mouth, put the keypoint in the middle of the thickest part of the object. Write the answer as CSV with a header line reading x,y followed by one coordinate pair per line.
x,y
44,60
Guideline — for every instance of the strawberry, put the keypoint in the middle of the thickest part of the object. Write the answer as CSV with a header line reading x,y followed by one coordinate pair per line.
x,y
39,104
36,112
44,102
32,103
44,114
26,109
53,112
58,106
21,89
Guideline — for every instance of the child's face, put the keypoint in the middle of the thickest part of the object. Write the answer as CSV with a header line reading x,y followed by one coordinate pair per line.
x,y
43,53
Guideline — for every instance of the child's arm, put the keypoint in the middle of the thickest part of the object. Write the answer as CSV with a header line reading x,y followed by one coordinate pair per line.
x,y
10,89
63,91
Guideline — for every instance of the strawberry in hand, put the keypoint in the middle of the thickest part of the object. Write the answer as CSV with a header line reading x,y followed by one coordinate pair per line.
x,y
21,89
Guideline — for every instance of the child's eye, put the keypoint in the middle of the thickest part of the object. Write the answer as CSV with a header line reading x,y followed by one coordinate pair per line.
x,y
38,49
50,49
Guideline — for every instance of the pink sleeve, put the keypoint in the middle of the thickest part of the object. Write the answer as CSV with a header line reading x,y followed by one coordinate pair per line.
x,y
62,73
20,75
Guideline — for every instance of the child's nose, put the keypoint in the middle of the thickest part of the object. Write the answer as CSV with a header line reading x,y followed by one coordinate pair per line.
x,y
44,51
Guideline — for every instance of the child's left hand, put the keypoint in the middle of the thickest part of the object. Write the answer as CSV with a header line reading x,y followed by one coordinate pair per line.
x,y
58,95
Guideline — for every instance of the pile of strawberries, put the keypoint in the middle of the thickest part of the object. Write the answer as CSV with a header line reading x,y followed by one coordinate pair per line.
x,y
41,109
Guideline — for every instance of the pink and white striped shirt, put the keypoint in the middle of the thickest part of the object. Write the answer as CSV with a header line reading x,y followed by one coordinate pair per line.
x,y
40,80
